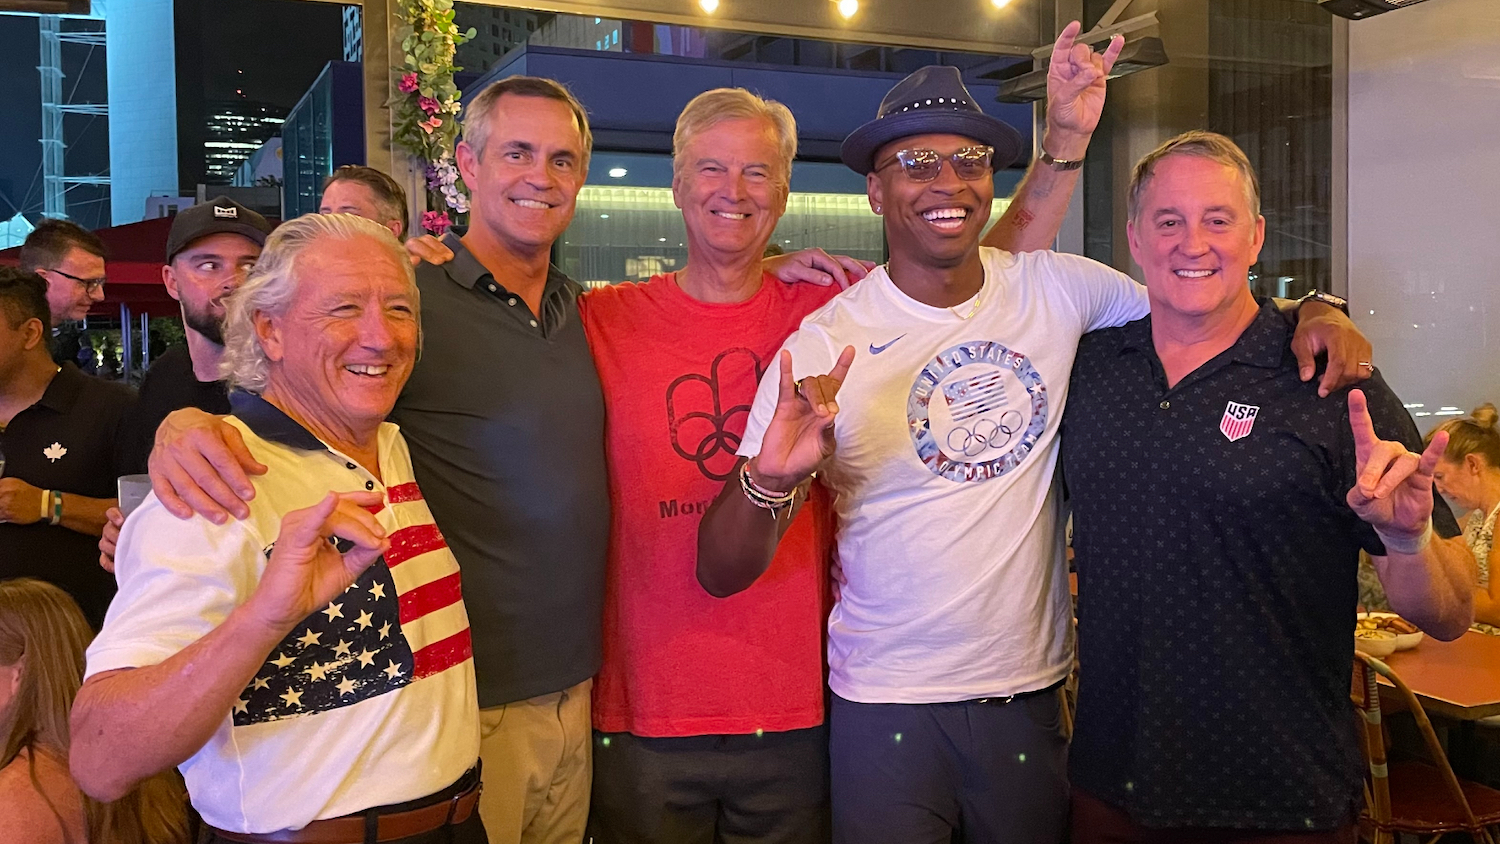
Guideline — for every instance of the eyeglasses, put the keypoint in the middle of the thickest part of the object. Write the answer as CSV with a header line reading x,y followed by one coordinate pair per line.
x,y
923,165
89,284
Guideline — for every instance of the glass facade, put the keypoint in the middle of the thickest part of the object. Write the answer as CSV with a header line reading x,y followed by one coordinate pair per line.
x,y
1258,71
323,132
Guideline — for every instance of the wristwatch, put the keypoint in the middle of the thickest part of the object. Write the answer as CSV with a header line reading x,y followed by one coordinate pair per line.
x,y
1060,163
1326,298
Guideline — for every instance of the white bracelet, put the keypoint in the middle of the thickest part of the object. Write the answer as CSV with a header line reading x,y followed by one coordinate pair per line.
x,y
1412,545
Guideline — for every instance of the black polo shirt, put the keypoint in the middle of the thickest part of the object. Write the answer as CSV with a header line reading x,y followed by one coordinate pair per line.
x,y
1216,560
169,385
67,441
504,417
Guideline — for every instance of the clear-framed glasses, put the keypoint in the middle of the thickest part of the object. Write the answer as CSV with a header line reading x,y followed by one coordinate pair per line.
x,y
89,284
923,165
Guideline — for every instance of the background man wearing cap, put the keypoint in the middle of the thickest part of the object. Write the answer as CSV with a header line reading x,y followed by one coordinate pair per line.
x,y
70,258
950,364
210,249
59,431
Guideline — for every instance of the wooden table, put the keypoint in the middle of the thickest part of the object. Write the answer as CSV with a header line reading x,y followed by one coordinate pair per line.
x,y
1458,679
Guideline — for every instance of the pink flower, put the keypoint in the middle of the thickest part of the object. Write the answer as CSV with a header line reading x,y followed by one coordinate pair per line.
x,y
432,124
436,222
408,83
429,105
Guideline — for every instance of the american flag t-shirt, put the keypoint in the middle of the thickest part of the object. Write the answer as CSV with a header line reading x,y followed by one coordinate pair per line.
x,y
401,621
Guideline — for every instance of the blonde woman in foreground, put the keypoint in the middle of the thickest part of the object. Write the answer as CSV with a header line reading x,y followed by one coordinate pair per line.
x,y
42,639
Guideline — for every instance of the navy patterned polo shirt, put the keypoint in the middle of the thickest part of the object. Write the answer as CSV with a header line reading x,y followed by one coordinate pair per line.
x,y
1216,560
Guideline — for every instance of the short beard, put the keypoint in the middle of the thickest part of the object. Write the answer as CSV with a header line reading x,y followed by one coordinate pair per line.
x,y
205,323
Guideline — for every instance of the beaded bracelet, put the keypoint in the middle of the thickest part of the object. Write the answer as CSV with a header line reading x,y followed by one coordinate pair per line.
x,y
57,502
763,498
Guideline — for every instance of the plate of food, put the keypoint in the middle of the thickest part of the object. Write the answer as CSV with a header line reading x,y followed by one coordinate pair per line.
x,y
1405,635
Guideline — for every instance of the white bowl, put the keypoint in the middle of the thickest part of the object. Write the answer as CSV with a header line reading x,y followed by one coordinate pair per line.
x,y
1376,643
1404,641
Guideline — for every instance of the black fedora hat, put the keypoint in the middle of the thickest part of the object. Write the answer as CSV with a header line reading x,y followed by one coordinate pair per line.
x,y
931,101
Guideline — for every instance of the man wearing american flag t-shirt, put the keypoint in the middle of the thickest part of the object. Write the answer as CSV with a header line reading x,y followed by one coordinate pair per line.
x,y
308,668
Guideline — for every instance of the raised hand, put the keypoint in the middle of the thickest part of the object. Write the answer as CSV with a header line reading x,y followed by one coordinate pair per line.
x,y
305,570
1075,90
800,435
1393,487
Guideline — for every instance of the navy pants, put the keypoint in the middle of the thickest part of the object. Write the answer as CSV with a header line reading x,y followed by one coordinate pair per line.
x,y
977,772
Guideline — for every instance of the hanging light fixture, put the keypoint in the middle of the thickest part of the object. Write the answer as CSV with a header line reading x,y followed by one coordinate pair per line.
x,y
709,6
847,8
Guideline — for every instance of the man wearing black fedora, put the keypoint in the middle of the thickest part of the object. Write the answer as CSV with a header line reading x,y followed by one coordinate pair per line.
x,y
928,398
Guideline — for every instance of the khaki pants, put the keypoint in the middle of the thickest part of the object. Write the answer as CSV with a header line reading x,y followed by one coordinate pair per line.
x,y
537,768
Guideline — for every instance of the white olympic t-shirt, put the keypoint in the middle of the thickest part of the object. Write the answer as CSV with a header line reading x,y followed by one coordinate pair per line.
x,y
369,701
949,530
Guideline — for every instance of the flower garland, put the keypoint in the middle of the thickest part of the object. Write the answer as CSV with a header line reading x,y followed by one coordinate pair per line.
x,y
425,105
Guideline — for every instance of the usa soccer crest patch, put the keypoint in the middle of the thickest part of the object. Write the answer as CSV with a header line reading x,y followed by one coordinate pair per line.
x,y
1238,420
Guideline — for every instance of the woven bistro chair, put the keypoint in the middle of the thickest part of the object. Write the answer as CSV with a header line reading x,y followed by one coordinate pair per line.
x,y
1418,798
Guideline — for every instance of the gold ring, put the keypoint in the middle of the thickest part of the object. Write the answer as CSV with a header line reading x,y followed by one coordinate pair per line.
x,y
797,388
1366,364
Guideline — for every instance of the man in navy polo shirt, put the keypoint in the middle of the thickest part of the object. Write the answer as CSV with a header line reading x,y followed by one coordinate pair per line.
x,y
59,431
1217,537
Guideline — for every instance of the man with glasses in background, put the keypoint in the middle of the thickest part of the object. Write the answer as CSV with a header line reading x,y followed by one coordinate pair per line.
x,y
70,258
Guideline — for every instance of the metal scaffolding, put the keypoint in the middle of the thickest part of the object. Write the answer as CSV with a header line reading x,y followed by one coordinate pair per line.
x,y
55,180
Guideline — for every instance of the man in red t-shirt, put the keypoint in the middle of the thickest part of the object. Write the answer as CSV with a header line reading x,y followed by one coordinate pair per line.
x,y
708,712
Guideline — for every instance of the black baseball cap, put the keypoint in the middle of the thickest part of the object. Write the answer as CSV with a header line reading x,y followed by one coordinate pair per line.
x,y
216,216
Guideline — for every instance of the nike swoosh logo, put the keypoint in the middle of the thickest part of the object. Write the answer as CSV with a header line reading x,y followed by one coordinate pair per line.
x,y
875,350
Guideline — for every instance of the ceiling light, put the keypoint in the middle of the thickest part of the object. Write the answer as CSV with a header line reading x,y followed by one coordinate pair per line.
x,y
604,216
709,6
847,8
617,172
1357,9
1000,4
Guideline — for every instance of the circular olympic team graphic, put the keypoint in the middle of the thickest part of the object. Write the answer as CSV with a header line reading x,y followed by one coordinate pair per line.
x,y
976,411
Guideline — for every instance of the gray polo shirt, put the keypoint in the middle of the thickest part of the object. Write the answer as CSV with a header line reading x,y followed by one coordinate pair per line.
x,y
505,420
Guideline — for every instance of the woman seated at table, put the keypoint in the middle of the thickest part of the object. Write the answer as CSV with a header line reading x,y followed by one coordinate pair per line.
x,y
42,639
1469,477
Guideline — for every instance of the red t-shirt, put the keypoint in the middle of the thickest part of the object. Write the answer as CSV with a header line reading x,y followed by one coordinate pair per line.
x,y
679,377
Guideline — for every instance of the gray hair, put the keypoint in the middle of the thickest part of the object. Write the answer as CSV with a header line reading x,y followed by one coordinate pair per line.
x,y
1200,144
476,122
271,286
720,104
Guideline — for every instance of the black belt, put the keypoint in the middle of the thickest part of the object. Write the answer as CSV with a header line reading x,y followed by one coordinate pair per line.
x,y
1001,701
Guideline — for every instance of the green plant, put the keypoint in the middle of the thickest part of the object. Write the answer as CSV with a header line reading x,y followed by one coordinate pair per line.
x,y
425,105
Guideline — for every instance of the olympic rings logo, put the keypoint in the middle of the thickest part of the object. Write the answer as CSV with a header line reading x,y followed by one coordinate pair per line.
x,y
985,434
725,425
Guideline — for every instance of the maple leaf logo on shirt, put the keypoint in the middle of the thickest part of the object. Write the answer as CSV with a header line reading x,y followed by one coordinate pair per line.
x,y
54,451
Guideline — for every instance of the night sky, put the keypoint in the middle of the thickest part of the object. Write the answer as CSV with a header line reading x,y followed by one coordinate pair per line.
x,y
271,50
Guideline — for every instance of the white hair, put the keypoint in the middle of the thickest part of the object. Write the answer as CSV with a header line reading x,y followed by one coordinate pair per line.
x,y
710,108
273,283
